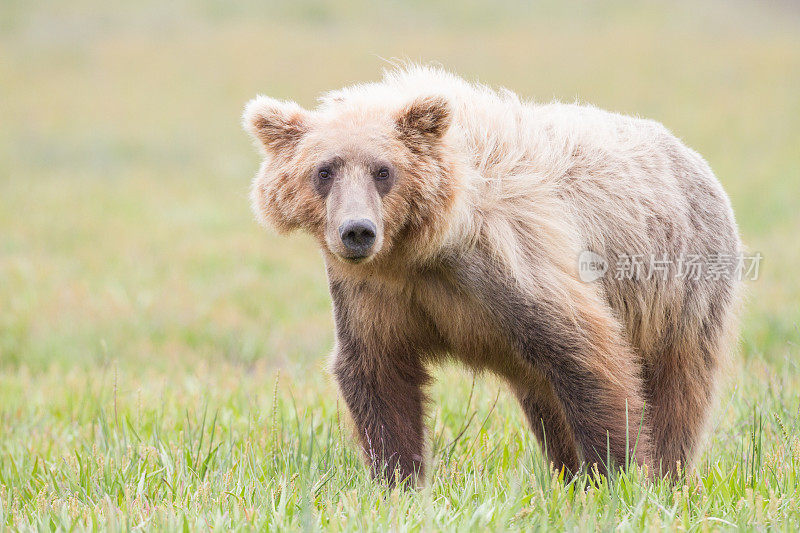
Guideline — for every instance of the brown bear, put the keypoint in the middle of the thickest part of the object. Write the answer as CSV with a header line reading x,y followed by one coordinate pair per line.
x,y
454,220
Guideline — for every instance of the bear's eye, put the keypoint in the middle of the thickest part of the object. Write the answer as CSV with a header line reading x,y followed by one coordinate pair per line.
x,y
382,174
324,174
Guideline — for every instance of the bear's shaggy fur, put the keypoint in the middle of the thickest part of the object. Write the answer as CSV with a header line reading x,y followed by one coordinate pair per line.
x,y
477,207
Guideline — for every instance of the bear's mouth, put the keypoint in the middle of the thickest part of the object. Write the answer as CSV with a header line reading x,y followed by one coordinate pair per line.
x,y
354,259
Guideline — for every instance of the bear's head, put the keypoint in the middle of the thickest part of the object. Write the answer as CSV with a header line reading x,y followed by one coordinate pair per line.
x,y
363,179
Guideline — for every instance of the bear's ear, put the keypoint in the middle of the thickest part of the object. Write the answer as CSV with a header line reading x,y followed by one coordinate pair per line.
x,y
425,120
278,125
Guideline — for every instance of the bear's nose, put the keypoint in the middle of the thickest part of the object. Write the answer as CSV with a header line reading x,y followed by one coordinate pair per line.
x,y
357,236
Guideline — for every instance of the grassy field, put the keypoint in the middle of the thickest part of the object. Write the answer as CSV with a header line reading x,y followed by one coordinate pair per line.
x,y
163,360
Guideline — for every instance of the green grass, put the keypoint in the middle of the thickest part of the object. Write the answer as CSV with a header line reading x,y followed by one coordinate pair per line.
x,y
163,360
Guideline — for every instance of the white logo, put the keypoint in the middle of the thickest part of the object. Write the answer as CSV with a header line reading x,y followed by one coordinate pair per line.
x,y
591,266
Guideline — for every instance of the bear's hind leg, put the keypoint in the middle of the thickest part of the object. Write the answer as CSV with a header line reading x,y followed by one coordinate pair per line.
x,y
680,382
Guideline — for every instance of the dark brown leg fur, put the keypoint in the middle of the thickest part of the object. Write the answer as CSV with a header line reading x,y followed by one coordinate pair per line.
x,y
680,381
602,408
592,371
383,392
548,423
387,408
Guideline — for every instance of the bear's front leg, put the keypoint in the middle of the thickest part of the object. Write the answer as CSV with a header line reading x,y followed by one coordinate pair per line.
x,y
570,338
385,400
381,380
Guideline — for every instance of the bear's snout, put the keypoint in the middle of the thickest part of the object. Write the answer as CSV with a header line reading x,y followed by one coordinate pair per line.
x,y
358,236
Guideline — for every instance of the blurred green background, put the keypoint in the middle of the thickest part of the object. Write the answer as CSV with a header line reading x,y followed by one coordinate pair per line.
x,y
135,283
